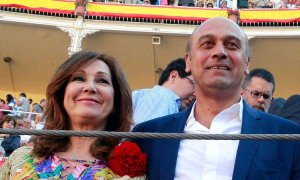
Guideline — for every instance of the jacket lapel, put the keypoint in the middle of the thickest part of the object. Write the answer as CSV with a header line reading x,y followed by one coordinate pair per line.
x,y
169,148
247,148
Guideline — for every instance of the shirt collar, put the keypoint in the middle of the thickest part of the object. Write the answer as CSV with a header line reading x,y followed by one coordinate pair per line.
x,y
235,108
175,97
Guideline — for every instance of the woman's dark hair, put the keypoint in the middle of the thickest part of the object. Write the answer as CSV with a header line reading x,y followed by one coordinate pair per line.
x,y
9,97
2,101
119,120
7,118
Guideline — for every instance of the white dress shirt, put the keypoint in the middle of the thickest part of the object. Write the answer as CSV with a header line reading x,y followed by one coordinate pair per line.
x,y
210,159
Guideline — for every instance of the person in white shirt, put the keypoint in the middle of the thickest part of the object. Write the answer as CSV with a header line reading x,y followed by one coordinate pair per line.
x,y
218,55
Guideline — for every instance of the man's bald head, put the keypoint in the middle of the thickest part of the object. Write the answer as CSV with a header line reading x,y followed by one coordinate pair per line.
x,y
229,22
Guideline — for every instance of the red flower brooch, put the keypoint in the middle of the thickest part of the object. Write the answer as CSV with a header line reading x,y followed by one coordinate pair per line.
x,y
127,159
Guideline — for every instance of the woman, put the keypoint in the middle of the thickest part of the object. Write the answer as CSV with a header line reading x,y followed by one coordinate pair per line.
x,y
10,100
88,92
3,107
9,142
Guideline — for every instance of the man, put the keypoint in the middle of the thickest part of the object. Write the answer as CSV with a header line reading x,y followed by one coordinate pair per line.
x,y
291,108
224,4
165,98
218,57
3,107
258,88
19,122
23,103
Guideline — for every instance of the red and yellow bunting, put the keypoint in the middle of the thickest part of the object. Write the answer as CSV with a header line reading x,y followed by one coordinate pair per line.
x,y
154,12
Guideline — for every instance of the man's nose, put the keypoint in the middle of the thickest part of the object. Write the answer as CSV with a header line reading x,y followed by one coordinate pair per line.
x,y
219,51
261,99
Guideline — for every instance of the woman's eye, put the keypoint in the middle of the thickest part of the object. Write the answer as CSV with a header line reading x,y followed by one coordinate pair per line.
x,y
104,81
77,78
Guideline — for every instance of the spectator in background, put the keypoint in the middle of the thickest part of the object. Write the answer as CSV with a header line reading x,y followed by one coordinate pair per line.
x,y
262,3
223,4
165,98
146,2
199,4
234,15
3,106
209,5
27,124
19,122
187,102
276,106
258,88
25,138
190,3
39,122
291,108
30,101
36,108
23,103
10,142
251,5
43,104
10,100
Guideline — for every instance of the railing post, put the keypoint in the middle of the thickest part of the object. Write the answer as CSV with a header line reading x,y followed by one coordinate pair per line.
x,y
80,7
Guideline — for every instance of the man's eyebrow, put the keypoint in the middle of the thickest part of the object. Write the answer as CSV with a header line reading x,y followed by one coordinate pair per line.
x,y
229,37
206,36
234,38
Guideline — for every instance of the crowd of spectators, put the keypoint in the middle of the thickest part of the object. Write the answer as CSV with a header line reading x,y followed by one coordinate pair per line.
x,y
290,4
18,113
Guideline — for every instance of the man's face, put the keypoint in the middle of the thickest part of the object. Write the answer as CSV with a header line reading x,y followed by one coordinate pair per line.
x,y
183,86
218,57
224,4
19,124
255,91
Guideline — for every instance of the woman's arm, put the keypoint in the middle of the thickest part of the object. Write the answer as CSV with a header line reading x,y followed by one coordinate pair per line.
x,y
11,143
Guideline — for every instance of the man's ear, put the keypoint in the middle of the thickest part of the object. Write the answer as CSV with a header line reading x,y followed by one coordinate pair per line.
x,y
187,58
242,91
173,74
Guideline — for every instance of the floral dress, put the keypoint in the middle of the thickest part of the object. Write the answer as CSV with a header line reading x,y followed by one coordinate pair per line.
x,y
22,166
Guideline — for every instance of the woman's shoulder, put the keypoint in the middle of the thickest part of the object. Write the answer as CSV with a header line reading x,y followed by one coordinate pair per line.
x,y
15,161
23,149
20,155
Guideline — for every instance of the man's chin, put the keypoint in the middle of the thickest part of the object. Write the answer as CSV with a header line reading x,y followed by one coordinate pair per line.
x,y
259,108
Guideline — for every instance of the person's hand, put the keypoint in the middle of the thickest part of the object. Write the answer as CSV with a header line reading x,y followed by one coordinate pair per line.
x,y
23,143
4,135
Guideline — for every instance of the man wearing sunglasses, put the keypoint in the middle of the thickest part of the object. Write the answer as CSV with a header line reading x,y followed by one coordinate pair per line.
x,y
258,88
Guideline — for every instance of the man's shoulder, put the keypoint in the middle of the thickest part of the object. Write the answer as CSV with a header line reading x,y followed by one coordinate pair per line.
x,y
278,124
154,125
162,124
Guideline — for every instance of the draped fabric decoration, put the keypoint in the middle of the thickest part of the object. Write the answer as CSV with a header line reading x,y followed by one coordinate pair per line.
x,y
152,12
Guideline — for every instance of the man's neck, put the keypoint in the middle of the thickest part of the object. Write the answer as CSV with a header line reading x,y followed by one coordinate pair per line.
x,y
208,107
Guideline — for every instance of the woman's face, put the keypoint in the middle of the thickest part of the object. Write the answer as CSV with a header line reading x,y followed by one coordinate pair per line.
x,y
27,124
89,96
8,125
